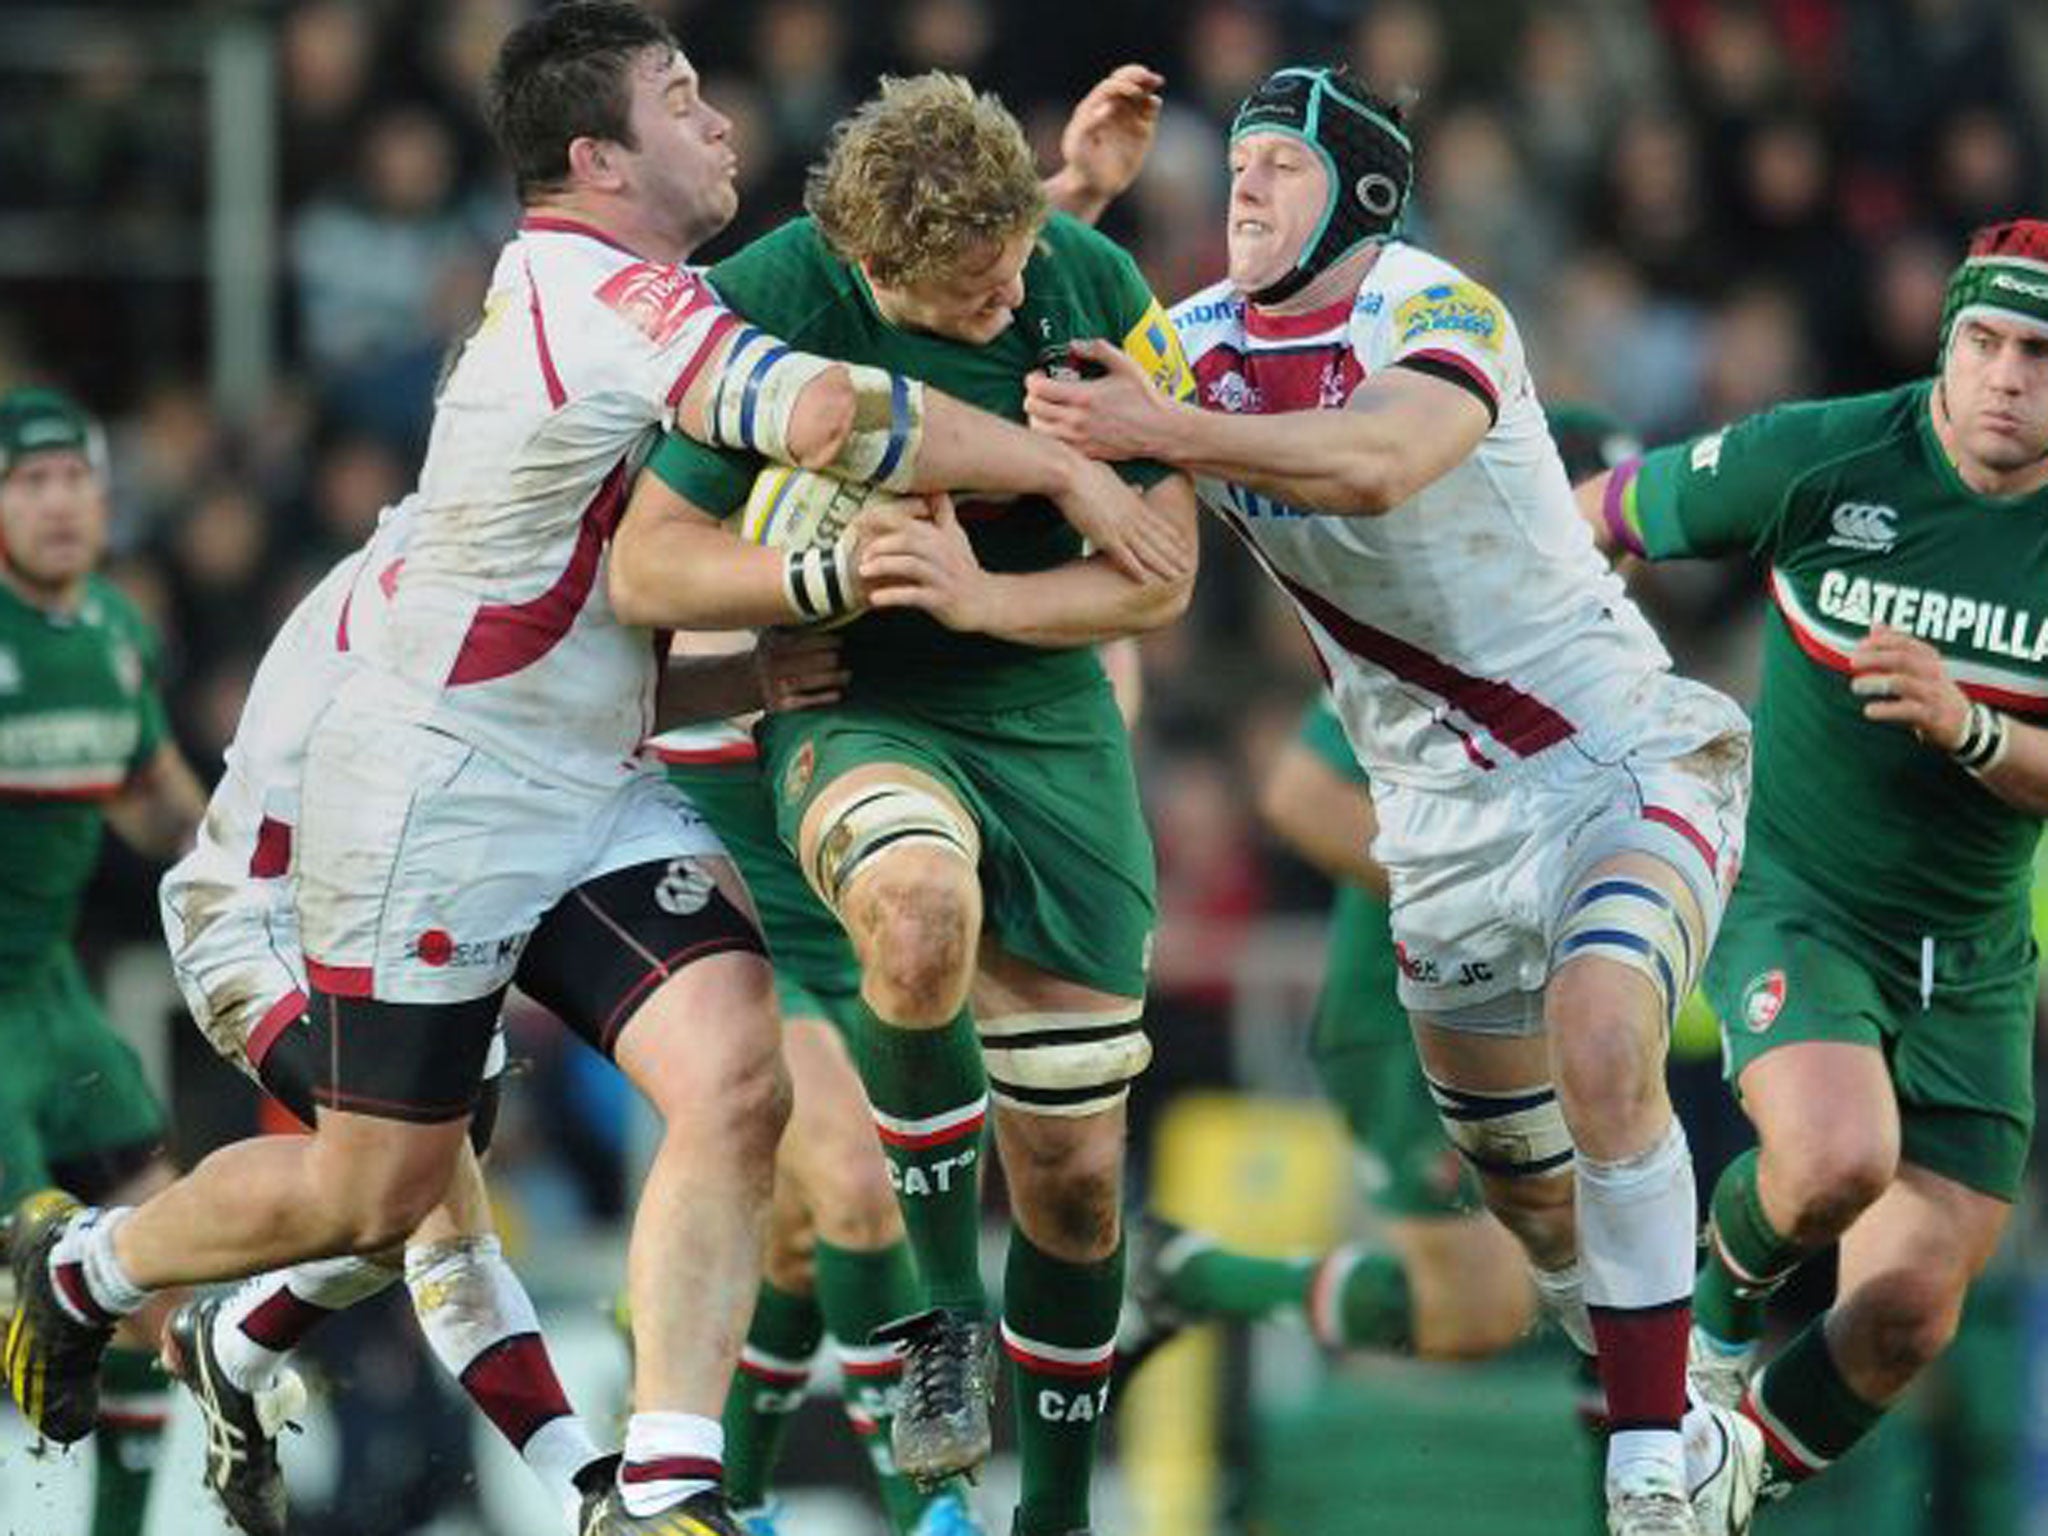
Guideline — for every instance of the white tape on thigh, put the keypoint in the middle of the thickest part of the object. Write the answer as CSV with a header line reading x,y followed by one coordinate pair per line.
x,y
886,816
1064,1063
1515,1135
1634,924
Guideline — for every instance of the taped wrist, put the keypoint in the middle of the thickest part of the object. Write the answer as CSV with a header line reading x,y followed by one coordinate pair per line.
x,y
1984,740
819,582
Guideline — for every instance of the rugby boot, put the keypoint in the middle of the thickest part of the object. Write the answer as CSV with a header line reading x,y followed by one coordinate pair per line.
x,y
1150,1315
52,1359
241,1426
1650,1509
1718,1373
701,1514
1726,1460
942,1423
948,1515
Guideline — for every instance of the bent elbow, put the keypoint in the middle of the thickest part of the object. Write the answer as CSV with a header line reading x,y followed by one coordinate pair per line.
x,y
631,602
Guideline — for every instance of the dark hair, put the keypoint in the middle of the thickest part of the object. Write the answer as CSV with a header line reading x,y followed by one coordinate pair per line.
x,y
564,75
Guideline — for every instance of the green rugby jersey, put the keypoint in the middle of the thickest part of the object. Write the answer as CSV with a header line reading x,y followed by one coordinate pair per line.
x,y
79,713
1864,521
1076,284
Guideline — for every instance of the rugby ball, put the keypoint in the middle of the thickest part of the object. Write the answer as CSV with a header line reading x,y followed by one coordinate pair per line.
x,y
791,508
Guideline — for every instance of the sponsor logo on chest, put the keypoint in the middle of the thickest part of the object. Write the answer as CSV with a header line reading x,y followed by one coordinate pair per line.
x,y
1942,618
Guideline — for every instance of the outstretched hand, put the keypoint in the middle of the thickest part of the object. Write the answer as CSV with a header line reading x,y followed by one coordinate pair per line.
x,y
1110,132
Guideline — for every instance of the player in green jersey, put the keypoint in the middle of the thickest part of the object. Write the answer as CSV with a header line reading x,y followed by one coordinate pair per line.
x,y
1875,975
83,743
970,807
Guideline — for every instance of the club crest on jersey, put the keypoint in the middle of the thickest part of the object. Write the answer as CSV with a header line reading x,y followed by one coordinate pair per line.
x,y
1706,454
1864,525
655,300
1463,309
1762,1001
1232,392
796,778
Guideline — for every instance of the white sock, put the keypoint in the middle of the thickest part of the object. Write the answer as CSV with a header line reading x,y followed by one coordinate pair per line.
x,y
266,1317
90,1284
1635,1224
669,1457
482,1327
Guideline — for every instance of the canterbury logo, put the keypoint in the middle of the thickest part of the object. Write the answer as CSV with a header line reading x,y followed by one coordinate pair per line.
x,y
1864,525
2019,285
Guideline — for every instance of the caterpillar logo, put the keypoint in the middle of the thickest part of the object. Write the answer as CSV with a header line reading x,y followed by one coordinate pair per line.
x,y
1864,525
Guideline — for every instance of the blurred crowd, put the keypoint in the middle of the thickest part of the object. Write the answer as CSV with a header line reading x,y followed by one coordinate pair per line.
x,y
1694,207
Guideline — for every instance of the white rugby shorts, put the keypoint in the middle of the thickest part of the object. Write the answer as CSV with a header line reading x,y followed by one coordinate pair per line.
x,y
1481,874
425,864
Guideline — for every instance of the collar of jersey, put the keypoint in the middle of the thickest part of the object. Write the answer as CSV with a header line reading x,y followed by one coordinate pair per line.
x,y
1264,325
1945,467
559,224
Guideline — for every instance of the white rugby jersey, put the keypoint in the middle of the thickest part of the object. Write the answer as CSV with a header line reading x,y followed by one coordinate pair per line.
x,y
244,844
503,635
1474,623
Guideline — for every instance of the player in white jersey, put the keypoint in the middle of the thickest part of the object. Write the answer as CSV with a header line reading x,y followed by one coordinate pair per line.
x,y
1560,817
233,934
473,802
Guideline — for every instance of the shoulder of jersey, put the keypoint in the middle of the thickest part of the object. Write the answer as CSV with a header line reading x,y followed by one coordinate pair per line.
x,y
1207,308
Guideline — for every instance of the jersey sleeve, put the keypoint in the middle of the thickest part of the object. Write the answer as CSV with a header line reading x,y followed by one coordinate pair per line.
x,y
1323,734
1457,331
655,328
714,480
1724,492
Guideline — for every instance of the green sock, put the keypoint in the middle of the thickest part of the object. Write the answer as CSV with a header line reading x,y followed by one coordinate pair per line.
x,y
1372,1309
1059,1330
1810,1415
930,1098
134,1407
1214,1282
858,1292
1747,1259
1353,1298
767,1390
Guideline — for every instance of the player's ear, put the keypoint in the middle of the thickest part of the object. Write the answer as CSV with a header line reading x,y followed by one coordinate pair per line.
x,y
594,162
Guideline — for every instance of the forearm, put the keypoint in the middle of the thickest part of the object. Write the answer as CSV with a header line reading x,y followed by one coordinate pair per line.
x,y
672,567
1084,602
160,810
1067,190
1325,461
965,448
697,689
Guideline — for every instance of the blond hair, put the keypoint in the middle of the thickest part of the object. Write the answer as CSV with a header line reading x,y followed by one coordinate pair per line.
x,y
922,175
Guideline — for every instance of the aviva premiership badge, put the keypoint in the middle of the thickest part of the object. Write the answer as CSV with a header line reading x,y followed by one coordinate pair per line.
x,y
1762,1001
